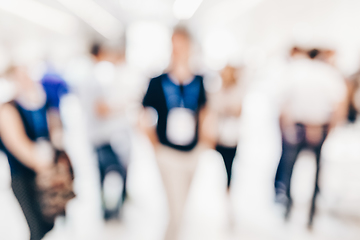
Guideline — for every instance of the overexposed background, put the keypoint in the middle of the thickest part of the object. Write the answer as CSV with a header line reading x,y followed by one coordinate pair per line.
x,y
256,33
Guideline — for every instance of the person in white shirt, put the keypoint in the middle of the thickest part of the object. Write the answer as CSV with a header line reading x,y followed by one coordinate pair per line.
x,y
314,103
226,107
108,96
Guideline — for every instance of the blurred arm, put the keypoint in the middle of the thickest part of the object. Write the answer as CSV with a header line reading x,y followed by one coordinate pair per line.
x,y
149,117
101,108
55,128
207,127
16,141
340,112
147,124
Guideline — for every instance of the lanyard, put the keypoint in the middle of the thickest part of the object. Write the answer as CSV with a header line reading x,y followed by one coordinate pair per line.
x,y
182,95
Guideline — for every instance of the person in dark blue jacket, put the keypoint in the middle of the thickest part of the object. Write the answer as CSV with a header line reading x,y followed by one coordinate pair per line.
x,y
25,130
176,101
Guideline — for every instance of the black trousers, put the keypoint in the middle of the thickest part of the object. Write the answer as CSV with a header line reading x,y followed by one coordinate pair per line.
x,y
228,154
110,161
290,152
23,187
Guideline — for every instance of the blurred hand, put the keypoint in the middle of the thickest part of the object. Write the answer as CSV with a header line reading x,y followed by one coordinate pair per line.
x,y
102,109
147,123
57,137
44,154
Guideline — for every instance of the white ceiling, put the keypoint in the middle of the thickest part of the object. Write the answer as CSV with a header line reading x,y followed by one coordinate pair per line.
x,y
267,25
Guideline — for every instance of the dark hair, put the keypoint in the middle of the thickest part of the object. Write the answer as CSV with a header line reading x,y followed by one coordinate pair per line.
x,y
313,53
95,49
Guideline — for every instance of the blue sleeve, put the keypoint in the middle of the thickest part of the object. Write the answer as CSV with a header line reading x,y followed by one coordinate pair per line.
x,y
55,87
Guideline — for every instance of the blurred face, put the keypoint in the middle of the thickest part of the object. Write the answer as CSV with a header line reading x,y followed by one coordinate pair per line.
x,y
181,48
27,91
228,75
21,78
109,56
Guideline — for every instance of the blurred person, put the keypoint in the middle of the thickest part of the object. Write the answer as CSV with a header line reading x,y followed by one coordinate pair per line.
x,y
226,105
173,119
225,109
110,90
41,173
314,104
55,88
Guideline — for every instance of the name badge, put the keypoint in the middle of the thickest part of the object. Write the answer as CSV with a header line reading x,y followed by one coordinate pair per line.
x,y
181,126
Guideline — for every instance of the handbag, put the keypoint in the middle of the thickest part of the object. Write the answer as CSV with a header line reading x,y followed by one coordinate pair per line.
x,y
55,187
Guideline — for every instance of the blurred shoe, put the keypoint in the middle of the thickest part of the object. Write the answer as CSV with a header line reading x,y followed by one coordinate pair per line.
x,y
284,204
230,214
112,194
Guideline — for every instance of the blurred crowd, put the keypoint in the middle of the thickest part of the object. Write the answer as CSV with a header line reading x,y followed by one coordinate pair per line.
x,y
182,112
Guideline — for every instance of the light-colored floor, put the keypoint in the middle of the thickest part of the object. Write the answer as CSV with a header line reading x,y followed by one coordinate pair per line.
x,y
249,212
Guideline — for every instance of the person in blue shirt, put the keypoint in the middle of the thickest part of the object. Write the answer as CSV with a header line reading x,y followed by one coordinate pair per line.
x,y
55,87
